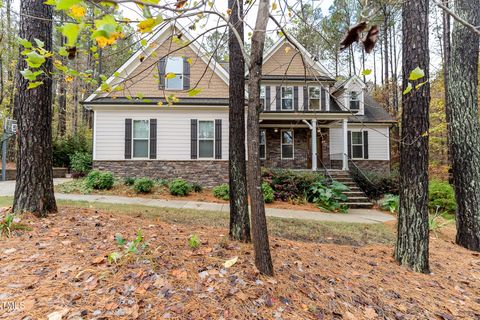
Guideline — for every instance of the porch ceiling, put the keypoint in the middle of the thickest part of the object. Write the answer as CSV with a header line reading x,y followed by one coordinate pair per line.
x,y
299,116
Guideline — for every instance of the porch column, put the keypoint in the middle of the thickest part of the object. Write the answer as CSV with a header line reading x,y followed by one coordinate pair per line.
x,y
314,144
345,145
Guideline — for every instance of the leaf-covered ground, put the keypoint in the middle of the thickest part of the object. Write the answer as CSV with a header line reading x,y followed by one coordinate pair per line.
x,y
59,270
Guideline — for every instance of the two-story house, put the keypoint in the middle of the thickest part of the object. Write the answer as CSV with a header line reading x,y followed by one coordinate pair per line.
x,y
308,122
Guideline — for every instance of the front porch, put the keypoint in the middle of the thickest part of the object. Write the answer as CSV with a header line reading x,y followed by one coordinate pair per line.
x,y
303,143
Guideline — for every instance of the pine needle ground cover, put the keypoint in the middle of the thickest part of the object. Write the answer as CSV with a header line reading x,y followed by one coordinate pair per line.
x,y
97,264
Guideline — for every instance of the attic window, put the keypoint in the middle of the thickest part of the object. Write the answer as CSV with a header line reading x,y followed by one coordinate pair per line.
x,y
354,101
174,67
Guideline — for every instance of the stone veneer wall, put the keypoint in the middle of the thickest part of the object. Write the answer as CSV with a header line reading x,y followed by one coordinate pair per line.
x,y
208,173
378,166
274,153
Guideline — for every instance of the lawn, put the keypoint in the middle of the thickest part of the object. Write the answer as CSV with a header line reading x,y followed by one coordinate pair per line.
x,y
293,229
89,261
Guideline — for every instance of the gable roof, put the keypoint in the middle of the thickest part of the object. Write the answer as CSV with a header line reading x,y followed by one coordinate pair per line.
x,y
340,85
157,39
309,59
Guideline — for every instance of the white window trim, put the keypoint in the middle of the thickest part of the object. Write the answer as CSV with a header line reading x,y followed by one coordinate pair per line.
x,y
359,99
281,98
319,98
133,140
363,145
292,144
265,144
212,139
178,74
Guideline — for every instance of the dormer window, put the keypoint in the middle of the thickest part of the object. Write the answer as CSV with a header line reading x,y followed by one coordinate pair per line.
x,y
354,101
174,67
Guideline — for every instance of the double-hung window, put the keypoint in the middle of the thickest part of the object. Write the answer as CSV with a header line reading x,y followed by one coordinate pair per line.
x,y
354,101
263,97
314,94
287,144
357,145
263,144
287,98
206,139
174,73
140,138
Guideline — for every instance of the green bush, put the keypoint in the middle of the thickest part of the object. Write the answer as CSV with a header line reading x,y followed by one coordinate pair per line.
x,y
161,182
390,202
441,196
81,163
197,187
65,148
376,185
222,192
268,194
329,197
129,181
99,180
179,187
289,185
143,185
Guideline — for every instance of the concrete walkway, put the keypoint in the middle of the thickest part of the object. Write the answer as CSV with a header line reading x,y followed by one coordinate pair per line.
x,y
354,215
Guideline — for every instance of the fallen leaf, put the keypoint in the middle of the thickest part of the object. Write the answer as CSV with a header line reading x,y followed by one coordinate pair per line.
x,y
230,263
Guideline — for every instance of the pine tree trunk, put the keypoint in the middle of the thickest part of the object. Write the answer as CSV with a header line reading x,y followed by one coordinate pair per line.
x,y
62,95
239,217
413,233
263,259
463,129
33,111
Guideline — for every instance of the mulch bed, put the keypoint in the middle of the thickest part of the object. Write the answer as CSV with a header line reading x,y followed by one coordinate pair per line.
x,y
59,270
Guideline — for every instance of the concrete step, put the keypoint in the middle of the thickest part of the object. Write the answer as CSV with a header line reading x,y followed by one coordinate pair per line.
x,y
359,205
354,193
358,200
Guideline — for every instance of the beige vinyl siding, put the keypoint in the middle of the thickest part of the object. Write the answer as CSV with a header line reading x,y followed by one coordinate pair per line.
x,y
144,79
287,61
378,141
173,131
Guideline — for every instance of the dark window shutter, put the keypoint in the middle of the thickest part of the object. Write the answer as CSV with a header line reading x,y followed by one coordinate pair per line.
x,y
295,98
365,144
278,98
128,138
153,138
349,139
186,74
218,139
162,64
305,98
267,98
324,99
193,130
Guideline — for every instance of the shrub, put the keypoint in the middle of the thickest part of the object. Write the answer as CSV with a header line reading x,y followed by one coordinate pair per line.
x,y
376,185
268,194
390,202
222,192
81,163
179,187
99,180
197,187
441,196
129,181
143,185
288,185
329,197
161,182
65,148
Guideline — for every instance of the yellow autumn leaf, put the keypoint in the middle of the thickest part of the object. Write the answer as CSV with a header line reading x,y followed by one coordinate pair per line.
x,y
77,11
146,25
287,49
190,60
229,11
170,75
101,41
274,6
68,78
230,263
